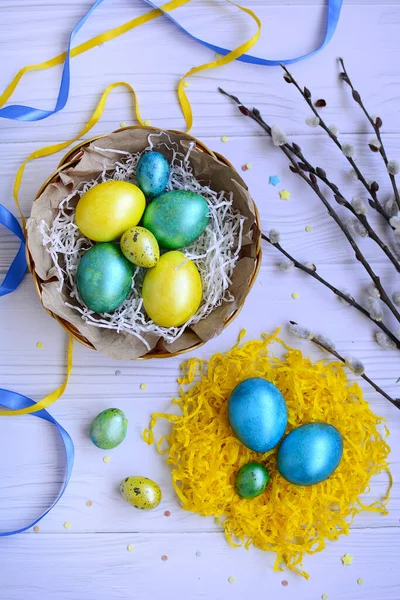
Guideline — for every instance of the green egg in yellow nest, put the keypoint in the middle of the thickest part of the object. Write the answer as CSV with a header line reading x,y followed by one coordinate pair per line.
x,y
141,492
140,247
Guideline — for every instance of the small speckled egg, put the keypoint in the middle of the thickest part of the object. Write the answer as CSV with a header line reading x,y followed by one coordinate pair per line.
x,y
251,480
257,413
141,492
152,174
176,218
108,429
104,277
172,290
140,247
310,453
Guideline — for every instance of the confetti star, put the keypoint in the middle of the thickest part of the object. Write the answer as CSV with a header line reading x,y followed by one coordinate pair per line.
x,y
274,180
284,195
347,559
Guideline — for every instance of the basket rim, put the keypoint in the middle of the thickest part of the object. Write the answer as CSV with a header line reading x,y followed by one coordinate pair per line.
x,y
70,159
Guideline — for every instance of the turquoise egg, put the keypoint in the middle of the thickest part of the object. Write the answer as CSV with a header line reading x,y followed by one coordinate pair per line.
x,y
257,414
152,174
176,218
251,480
108,429
310,453
104,277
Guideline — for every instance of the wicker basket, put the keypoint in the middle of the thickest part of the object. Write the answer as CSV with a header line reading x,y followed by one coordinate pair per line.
x,y
70,160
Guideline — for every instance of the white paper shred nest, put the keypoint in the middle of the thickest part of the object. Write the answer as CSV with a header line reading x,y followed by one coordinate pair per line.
x,y
215,253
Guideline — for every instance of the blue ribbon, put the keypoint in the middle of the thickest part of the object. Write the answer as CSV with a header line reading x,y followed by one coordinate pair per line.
x,y
18,112
14,401
18,267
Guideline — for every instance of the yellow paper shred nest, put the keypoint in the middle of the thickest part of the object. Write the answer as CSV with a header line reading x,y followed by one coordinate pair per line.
x,y
205,455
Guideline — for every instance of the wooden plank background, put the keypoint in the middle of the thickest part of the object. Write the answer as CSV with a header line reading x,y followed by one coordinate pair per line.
x,y
91,560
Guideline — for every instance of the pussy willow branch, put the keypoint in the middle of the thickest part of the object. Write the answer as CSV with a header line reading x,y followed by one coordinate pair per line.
x,y
371,189
376,125
333,289
305,165
394,401
288,150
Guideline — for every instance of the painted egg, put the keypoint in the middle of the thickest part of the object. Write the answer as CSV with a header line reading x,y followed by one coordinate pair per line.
x,y
104,277
140,247
108,209
176,218
108,429
310,453
172,290
152,174
141,492
251,480
257,414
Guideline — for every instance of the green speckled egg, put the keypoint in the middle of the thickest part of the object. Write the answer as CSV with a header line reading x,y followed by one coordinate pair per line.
x,y
104,277
251,480
141,492
176,218
108,429
140,247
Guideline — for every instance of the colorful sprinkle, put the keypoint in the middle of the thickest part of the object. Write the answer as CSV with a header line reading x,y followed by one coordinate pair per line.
x,y
285,583
295,295
167,513
36,528
248,165
39,345
224,138
274,180
186,83
245,168
198,553
122,124
308,228
130,547
360,581
143,386
106,459
164,557
117,372
284,195
324,596
67,525
218,56
89,503
231,579
347,559
147,122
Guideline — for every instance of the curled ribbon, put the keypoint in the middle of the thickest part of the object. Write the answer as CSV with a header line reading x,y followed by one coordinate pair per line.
x,y
17,403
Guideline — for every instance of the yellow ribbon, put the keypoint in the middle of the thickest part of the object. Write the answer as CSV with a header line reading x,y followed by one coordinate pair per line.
x,y
53,148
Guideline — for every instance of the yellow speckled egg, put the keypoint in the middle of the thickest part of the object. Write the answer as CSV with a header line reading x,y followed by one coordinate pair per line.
x,y
141,492
172,290
108,209
140,247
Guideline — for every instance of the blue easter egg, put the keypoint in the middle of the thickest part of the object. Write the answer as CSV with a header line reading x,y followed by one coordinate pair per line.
x,y
257,414
152,174
310,453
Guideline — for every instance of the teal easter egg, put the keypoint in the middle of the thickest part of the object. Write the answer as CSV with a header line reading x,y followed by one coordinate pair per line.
x,y
251,480
108,429
257,414
104,277
152,174
176,218
310,453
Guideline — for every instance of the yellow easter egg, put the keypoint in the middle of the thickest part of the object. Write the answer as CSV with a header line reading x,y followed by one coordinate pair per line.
x,y
172,290
108,209
140,247
141,492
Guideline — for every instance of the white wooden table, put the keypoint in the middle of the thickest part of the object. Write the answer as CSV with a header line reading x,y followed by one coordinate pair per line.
x,y
90,560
